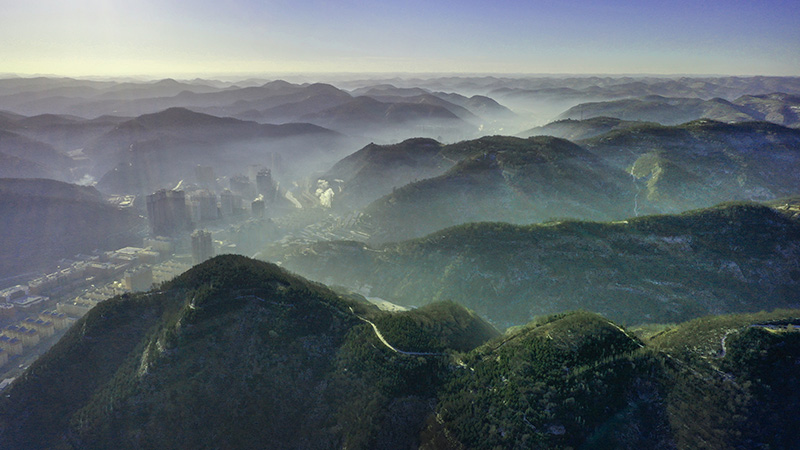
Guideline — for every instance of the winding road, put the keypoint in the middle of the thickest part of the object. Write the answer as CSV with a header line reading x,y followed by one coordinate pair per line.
x,y
390,346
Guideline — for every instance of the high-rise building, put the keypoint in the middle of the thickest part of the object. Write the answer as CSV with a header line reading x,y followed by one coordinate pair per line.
x,y
230,203
202,246
265,185
258,207
204,206
275,162
242,186
168,213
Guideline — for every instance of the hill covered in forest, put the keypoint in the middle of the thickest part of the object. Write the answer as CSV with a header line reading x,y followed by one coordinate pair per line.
x,y
776,107
237,353
730,258
575,130
504,179
241,354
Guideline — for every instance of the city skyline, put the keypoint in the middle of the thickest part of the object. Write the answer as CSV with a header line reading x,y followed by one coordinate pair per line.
x,y
246,37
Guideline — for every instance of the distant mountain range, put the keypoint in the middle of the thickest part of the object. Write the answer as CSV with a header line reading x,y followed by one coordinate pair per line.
x,y
47,220
704,162
780,108
634,169
147,152
575,130
508,179
240,354
271,102
396,119
28,158
731,258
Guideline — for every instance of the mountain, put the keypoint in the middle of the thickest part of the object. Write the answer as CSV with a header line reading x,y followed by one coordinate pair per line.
x,y
232,101
653,108
167,87
503,179
669,268
11,167
778,108
431,100
26,149
241,354
291,107
237,354
47,220
704,162
67,133
480,105
375,170
388,90
580,381
90,99
365,115
152,149
575,130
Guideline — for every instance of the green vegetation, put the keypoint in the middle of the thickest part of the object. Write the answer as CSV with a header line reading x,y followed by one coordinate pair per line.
x,y
580,129
578,381
436,327
241,354
703,162
234,353
736,257
503,178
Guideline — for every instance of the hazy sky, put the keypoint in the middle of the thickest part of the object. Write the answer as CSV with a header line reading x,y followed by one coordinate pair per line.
x,y
205,37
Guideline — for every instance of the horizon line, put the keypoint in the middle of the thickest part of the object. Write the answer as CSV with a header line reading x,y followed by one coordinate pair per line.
x,y
227,76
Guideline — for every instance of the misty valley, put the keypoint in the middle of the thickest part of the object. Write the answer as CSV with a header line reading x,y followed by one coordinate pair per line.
x,y
405,262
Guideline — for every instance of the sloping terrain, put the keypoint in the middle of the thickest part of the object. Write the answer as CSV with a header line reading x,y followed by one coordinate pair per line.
x,y
150,151
240,354
579,381
575,130
730,258
47,220
392,120
704,162
30,151
777,107
504,179
375,170
235,354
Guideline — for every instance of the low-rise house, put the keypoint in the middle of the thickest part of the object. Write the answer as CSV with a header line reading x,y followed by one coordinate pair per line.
x,y
60,320
45,328
11,344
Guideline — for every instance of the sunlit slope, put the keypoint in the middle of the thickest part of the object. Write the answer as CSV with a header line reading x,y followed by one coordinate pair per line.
x,y
579,381
730,258
519,181
237,354
700,163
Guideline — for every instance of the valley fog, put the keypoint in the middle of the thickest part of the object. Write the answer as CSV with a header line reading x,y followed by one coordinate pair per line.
x,y
477,210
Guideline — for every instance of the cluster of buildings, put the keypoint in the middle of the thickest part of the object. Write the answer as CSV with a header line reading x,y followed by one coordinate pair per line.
x,y
16,338
18,298
147,268
177,211
34,311
350,227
